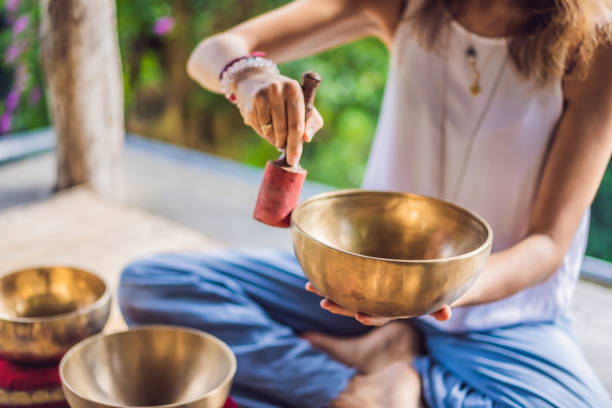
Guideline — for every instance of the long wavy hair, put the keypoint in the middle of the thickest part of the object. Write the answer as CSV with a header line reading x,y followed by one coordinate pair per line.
x,y
555,38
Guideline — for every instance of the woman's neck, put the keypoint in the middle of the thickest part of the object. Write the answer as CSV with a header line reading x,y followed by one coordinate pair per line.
x,y
487,18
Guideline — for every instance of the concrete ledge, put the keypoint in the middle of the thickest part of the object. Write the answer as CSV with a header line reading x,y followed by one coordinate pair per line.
x,y
17,146
206,161
597,271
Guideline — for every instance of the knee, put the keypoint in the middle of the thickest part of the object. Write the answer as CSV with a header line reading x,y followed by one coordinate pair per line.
x,y
144,283
138,272
163,275
143,278
157,269
133,279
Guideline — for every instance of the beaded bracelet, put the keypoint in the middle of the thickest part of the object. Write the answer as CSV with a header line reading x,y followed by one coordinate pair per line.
x,y
232,68
253,54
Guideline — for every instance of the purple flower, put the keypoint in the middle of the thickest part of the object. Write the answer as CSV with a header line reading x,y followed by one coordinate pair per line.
x,y
12,100
12,5
163,25
5,122
13,52
20,24
35,95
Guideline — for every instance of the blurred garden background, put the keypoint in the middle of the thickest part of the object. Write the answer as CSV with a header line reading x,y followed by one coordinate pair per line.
x,y
161,102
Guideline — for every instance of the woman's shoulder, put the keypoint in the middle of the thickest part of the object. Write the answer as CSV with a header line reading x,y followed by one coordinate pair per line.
x,y
386,15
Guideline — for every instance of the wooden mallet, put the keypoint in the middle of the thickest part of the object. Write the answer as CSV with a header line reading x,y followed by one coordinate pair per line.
x,y
281,185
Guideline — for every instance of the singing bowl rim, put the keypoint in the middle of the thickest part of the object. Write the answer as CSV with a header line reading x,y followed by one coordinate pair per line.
x,y
338,193
144,327
101,302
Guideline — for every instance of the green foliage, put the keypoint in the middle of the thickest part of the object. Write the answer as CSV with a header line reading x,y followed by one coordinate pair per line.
x,y
600,234
155,84
349,101
151,73
23,73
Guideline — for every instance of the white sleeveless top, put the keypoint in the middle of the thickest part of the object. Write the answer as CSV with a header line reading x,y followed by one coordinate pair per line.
x,y
502,172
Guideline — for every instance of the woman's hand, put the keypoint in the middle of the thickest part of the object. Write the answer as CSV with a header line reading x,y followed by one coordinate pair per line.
x,y
265,98
441,315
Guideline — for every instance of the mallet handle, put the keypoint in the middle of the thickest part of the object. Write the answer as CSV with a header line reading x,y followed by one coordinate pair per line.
x,y
310,82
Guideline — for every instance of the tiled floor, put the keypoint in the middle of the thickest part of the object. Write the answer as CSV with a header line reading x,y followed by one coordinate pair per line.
x,y
78,228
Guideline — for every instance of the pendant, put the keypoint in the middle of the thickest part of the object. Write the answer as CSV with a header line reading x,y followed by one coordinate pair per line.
x,y
471,55
475,89
470,52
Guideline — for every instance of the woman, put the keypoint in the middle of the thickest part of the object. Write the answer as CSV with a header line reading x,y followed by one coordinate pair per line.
x,y
509,110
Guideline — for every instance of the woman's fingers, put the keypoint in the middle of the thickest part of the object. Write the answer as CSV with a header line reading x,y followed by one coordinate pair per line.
x,y
294,105
310,287
279,115
264,116
443,314
313,125
371,320
276,103
251,119
336,309
328,304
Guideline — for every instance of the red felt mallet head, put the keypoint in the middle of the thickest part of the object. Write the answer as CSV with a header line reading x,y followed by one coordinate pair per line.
x,y
281,184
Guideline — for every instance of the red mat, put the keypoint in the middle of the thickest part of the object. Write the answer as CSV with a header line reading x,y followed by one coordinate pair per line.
x,y
29,385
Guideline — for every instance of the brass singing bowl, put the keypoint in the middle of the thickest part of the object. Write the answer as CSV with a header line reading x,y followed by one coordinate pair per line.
x,y
45,311
389,254
148,366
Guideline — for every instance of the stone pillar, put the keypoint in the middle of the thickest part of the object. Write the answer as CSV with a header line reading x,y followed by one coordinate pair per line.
x,y
82,65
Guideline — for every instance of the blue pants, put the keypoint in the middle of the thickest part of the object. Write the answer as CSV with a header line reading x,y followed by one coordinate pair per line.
x,y
255,301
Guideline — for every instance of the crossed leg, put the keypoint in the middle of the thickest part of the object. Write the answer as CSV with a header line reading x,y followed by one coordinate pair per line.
x,y
255,301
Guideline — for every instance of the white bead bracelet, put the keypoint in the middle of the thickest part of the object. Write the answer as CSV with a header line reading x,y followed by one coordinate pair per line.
x,y
230,72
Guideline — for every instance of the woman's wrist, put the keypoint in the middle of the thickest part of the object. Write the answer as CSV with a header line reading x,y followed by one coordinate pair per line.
x,y
464,300
238,67
474,294
246,74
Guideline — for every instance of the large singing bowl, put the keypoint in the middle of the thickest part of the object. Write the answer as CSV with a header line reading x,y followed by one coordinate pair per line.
x,y
389,254
45,311
148,366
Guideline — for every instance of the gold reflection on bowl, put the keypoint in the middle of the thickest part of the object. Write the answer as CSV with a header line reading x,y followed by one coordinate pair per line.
x,y
149,366
45,311
389,254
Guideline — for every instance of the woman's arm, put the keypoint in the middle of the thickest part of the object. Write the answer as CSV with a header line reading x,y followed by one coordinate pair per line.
x,y
273,104
577,161
572,174
296,30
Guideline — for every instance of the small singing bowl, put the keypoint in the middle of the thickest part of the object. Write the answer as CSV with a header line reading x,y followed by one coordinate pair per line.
x,y
44,311
389,254
148,366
